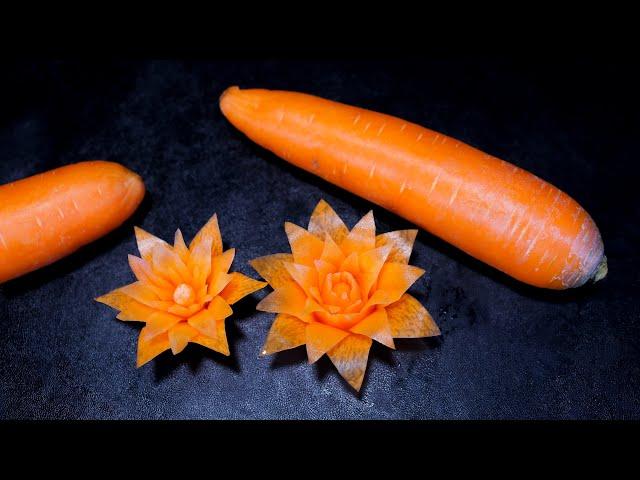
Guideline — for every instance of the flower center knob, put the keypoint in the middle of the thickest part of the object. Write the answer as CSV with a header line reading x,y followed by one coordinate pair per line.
x,y
184,295
340,289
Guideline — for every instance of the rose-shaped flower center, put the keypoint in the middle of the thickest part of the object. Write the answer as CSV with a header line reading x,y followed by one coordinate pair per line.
x,y
184,295
340,291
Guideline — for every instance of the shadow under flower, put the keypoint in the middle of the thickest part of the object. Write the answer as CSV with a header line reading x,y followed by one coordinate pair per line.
x,y
193,355
323,366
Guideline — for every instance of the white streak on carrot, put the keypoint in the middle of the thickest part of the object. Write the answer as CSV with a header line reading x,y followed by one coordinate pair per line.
x,y
356,120
75,205
543,258
455,194
435,182
4,244
280,116
403,126
366,127
532,243
508,222
435,139
420,136
60,212
99,191
513,229
523,231
38,221
402,187
312,118
381,129
444,140
576,214
372,171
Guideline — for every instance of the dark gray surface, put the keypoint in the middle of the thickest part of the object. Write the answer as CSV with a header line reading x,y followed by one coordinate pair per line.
x,y
507,350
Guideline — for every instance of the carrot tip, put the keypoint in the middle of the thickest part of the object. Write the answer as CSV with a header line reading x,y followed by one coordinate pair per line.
x,y
224,94
601,270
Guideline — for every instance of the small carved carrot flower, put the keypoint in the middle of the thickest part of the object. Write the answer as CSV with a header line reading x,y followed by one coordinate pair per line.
x,y
338,290
183,294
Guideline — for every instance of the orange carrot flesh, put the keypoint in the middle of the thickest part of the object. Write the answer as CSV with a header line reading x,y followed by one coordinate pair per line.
x,y
491,209
50,215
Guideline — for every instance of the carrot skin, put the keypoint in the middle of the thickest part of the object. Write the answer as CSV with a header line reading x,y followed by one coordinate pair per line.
x,y
489,208
50,215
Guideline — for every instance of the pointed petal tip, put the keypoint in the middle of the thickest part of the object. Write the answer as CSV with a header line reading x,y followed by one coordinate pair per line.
x,y
356,386
140,362
260,306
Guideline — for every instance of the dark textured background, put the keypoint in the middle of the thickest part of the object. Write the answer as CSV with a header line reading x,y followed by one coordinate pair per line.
x,y
507,350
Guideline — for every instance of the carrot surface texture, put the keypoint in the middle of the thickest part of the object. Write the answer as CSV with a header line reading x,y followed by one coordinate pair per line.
x,y
50,215
489,208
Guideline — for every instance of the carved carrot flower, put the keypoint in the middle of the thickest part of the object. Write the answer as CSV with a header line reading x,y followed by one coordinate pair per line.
x,y
183,294
338,290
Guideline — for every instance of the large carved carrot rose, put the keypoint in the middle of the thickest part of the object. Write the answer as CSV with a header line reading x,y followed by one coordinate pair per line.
x,y
340,289
183,294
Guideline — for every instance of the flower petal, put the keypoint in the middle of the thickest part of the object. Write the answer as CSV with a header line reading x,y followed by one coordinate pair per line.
x,y
351,264
305,246
130,309
200,260
362,237
219,283
142,293
143,272
205,322
168,264
305,277
271,268
219,308
340,320
219,343
396,278
401,242
376,326
371,263
180,247
240,286
180,335
289,298
350,358
146,242
409,319
211,229
331,252
324,268
184,312
220,265
285,333
158,323
148,349
321,338
324,220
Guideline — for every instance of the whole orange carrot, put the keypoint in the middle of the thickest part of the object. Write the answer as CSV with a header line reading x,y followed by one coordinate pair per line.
x,y
48,216
491,209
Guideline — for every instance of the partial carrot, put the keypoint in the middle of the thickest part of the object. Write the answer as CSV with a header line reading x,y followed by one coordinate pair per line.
x,y
491,209
50,215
